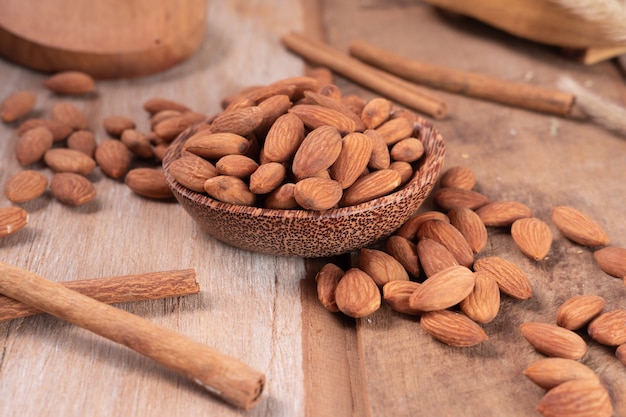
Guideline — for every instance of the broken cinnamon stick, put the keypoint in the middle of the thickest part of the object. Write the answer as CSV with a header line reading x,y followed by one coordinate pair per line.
x,y
539,99
227,378
119,289
390,86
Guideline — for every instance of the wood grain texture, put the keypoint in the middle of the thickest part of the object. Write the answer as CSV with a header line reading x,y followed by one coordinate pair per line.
x,y
248,305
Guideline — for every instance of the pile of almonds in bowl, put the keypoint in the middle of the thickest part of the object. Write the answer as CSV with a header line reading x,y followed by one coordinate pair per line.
x,y
296,168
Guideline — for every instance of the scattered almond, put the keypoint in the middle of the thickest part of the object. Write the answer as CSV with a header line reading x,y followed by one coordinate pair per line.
x,y
554,341
137,143
449,198
381,266
576,398
327,279
458,177
33,144
577,311
12,219
25,186
434,257
113,157
410,227
503,213
356,294
450,237
70,82
609,328
578,227
443,290
612,260
116,124
148,182
471,227
17,105
532,236
397,293
72,189
83,141
69,160
60,131
158,104
69,114
452,328
550,372
510,277
405,252
483,303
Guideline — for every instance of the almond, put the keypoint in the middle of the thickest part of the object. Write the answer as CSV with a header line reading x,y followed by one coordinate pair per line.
x,y
577,311
407,150
620,353
555,341
356,294
69,160
452,328
353,102
70,82
116,124
381,266
25,186
376,112
240,166
284,138
550,372
261,93
609,328
267,177
137,143
394,130
228,189
576,398
162,115
471,227
282,198
532,236
410,227
510,277
60,131
33,144
449,198
69,114
239,121
113,157
272,108
450,237
404,169
319,150
72,189
458,177
148,182
503,213
299,83
327,279
612,260
17,105
483,303
405,252
356,149
373,185
578,227
83,141
12,219
314,117
397,293
171,127
158,104
192,171
444,289
434,257
330,103
322,75
380,157
317,193
216,145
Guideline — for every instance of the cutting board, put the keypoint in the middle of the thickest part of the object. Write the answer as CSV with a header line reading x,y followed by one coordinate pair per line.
x,y
105,38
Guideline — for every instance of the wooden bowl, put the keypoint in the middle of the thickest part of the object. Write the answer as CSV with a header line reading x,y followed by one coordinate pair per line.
x,y
305,233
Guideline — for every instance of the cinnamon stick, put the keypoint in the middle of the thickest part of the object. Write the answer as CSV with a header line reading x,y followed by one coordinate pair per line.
x,y
224,376
119,289
383,83
536,98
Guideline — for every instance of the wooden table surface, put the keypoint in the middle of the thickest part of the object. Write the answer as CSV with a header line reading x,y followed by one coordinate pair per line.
x,y
263,309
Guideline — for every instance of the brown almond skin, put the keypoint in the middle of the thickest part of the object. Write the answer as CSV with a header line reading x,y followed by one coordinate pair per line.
x,y
403,168
409,228
60,131
241,121
72,189
380,157
532,236
240,166
612,260
394,130
282,198
397,293
577,311
137,143
609,328
356,149
550,372
231,190
458,177
17,105
318,151
449,198
471,227
503,213
381,266
452,328
148,182
376,112
578,227
267,177
509,276
70,82
405,252
69,114
170,128
216,145
283,138
314,116
317,193
554,341
407,150
620,353
157,104
433,256
576,398
272,108
331,103
25,186
69,160
192,171
444,289
12,219
327,279
483,303
84,141
114,125
33,144
373,185
450,237
356,294
113,157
